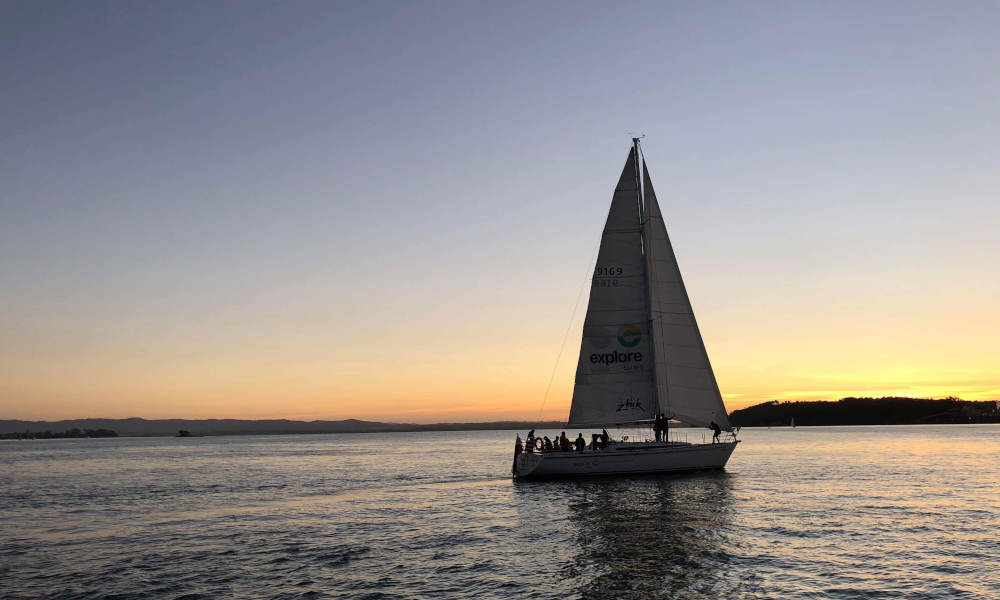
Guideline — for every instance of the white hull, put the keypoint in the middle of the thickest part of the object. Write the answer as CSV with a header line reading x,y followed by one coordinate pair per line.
x,y
624,458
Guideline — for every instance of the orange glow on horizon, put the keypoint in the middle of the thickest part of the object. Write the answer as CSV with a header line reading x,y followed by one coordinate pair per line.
x,y
486,356
407,395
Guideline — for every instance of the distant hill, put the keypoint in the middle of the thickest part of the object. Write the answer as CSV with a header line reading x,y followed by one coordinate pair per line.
x,y
867,411
846,411
162,427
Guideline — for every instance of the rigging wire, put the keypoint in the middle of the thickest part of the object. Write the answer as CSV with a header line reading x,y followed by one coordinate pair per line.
x,y
562,346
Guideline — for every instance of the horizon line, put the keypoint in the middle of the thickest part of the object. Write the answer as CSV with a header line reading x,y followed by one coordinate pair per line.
x,y
523,420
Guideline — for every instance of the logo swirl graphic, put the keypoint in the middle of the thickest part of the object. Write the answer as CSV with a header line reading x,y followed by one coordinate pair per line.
x,y
629,336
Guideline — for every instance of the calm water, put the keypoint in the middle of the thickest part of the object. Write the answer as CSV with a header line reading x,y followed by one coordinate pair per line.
x,y
862,512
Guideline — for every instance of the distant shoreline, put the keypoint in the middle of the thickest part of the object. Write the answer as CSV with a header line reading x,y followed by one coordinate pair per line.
x,y
6,437
138,427
868,411
844,412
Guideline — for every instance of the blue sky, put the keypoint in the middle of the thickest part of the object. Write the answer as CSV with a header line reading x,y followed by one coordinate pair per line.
x,y
261,185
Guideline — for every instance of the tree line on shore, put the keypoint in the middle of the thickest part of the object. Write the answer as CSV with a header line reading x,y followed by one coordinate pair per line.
x,y
867,411
74,432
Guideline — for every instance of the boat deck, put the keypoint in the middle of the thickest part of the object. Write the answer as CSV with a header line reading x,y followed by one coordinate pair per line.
x,y
625,458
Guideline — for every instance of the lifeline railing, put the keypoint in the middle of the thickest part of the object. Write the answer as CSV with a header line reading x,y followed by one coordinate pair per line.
x,y
679,434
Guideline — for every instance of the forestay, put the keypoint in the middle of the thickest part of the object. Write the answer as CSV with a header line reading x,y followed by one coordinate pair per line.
x,y
614,381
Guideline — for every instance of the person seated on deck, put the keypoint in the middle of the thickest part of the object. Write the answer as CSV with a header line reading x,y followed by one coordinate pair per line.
x,y
580,443
563,442
595,441
547,443
529,444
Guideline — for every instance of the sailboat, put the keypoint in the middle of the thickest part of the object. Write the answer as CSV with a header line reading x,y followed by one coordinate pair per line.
x,y
642,355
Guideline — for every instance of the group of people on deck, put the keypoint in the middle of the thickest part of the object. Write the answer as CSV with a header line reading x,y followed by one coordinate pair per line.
x,y
661,426
563,444
598,441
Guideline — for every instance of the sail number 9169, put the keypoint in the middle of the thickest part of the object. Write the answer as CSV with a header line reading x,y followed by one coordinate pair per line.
x,y
607,276
608,272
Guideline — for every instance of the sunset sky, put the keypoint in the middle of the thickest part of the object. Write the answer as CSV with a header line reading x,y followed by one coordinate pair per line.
x,y
387,210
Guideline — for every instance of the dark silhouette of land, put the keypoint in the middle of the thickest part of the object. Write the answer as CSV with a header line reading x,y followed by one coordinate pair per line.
x,y
48,434
192,427
867,411
847,411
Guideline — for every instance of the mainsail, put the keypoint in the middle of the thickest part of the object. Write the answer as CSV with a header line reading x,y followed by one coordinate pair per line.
x,y
685,384
614,381
642,353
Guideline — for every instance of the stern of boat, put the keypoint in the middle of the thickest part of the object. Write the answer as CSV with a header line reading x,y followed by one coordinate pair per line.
x,y
527,463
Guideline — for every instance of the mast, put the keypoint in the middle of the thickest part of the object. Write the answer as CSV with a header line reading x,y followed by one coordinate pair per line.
x,y
647,271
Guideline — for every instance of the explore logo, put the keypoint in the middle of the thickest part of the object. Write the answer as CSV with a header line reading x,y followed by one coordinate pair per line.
x,y
629,336
610,358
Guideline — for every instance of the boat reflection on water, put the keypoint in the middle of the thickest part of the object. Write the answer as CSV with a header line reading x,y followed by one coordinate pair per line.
x,y
657,536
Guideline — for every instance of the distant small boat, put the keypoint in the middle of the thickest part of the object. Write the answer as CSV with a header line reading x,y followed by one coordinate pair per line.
x,y
793,423
642,354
